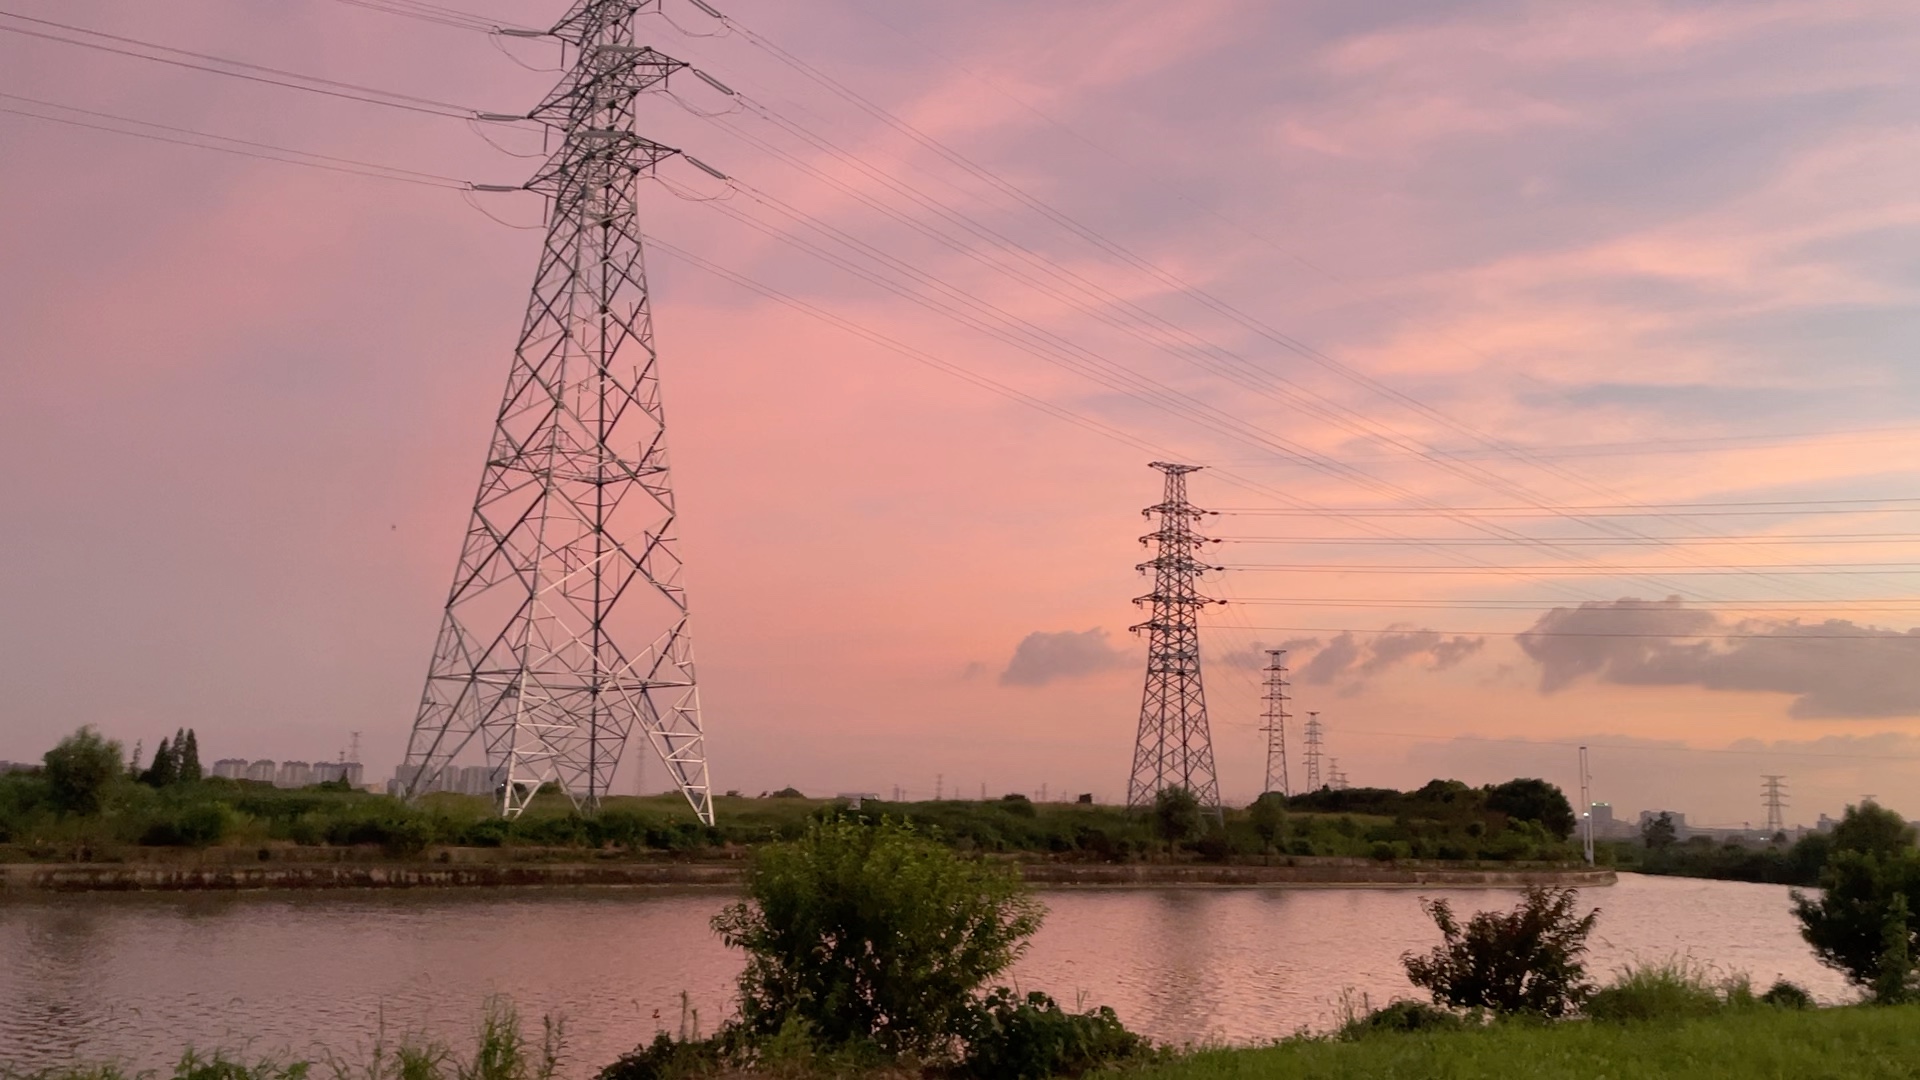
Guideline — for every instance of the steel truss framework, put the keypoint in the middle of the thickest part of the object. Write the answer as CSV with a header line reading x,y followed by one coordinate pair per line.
x,y
566,626
1313,751
1173,747
1276,718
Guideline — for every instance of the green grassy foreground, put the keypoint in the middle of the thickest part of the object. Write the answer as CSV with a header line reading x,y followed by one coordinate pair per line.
x,y
1854,1043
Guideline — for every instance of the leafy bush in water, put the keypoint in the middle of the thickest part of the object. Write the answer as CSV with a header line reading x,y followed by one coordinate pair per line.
x,y
872,932
1678,989
1522,961
1032,1038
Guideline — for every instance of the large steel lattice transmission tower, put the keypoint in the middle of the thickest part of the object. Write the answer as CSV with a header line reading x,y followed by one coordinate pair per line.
x,y
566,627
1276,718
1173,747
1773,795
1314,730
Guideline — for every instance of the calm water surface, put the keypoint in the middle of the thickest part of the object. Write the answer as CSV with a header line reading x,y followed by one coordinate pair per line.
x,y
136,978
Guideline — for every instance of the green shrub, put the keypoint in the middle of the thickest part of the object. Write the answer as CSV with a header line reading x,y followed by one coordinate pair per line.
x,y
195,825
1522,961
1677,989
1401,1016
1786,995
80,770
872,932
668,1058
1862,922
1032,1038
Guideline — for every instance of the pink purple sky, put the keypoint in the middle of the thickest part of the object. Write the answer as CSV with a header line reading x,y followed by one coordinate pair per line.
x,y
1404,255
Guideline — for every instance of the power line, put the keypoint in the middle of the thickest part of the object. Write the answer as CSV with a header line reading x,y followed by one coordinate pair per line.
x,y
1577,541
1537,570
312,84
1889,635
337,164
325,162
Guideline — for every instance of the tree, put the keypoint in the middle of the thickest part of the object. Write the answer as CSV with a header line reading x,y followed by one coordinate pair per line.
x,y
1268,815
1658,833
79,771
873,932
1862,922
187,758
1176,816
165,768
1536,801
1522,961
1874,830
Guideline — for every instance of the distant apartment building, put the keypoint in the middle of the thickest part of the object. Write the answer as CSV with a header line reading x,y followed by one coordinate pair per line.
x,y
293,774
460,779
263,771
332,772
232,768
16,766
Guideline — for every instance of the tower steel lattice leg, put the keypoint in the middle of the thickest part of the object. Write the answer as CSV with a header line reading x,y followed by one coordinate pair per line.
x,y
566,628
1173,747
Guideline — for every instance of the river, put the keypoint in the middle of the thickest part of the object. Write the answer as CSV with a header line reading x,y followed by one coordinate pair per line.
x,y
134,978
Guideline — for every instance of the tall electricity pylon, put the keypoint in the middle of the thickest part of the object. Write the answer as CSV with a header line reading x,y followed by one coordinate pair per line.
x,y
1276,718
1773,792
1173,747
1313,751
566,626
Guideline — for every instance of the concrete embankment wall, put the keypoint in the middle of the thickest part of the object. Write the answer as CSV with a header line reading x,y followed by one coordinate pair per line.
x,y
140,877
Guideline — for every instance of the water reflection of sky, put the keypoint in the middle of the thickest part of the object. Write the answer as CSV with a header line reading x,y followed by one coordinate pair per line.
x,y
138,977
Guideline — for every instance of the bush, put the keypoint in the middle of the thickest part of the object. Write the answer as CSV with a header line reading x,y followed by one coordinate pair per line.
x,y
1033,1038
1177,817
1675,990
80,769
1523,961
198,825
668,1058
872,932
1401,1016
1861,924
1786,995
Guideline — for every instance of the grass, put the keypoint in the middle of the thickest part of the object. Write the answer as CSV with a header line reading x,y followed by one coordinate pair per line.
x,y
1678,988
1854,1043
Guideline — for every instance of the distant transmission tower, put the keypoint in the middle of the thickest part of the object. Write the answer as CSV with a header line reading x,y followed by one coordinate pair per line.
x,y
1313,751
1173,747
1276,718
1773,792
566,626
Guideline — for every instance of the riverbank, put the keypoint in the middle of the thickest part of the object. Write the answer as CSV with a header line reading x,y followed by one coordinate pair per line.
x,y
1853,1043
228,876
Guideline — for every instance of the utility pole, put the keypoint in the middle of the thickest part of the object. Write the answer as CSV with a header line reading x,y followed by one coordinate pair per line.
x,y
1586,803
1773,793
566,627
1313,751
1173,747
939,786
1336,779
1276,718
